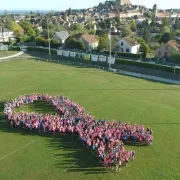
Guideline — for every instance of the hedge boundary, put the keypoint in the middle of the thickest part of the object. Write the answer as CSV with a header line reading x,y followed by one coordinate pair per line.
x,y
117,64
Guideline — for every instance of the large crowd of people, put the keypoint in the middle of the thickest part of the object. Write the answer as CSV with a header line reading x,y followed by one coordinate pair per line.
x,y
104,137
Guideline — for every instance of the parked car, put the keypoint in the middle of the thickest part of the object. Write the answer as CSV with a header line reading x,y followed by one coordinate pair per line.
x,y
23,47
151,62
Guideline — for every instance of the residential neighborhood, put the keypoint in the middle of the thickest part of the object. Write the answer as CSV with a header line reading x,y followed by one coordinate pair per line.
x,y
134,29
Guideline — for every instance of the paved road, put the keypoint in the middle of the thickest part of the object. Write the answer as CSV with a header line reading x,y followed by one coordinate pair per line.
x,y
12,56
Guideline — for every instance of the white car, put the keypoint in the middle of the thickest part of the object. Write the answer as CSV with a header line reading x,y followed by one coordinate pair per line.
x,y
23,47
151,62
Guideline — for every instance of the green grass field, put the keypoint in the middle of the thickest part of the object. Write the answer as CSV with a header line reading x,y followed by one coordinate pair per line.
x,y
33,156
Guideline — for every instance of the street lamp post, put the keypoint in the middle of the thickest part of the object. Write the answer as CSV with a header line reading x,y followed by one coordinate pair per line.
x,y
49,41
110,48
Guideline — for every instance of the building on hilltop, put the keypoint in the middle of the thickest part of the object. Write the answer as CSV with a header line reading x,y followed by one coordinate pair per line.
x,y
155,10
123,2
119,2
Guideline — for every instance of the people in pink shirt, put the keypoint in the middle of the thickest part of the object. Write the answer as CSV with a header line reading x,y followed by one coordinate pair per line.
x,y
105,137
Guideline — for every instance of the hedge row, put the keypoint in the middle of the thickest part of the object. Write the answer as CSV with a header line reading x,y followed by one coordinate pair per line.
x,y
14,48
41,50
117,64
147,65
127,55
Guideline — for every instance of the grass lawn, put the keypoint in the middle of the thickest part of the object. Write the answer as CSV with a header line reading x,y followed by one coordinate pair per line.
x,y
7,53
26,155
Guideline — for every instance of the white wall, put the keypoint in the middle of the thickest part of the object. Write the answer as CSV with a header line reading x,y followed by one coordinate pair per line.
x,y
124,46
5,36
133,49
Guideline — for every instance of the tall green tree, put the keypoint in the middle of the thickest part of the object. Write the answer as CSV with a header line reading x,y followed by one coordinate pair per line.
x,y
76,29
103,44
146,35
164,29
12,25
73,43
166,22
126,31
28,28
118,21
133,25
144,47
103,41
166,37
103,25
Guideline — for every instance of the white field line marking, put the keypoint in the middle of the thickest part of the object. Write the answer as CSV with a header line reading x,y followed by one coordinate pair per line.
x,y
19,149
70,166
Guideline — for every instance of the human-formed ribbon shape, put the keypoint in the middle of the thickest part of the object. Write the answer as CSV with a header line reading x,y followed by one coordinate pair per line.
x,y
104,137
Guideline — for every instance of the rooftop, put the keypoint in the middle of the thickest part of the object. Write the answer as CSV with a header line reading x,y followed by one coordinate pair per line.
x,y
130,41
89,38
174,45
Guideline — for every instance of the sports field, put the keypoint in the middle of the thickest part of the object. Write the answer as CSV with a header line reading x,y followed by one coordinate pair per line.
x,y
33,156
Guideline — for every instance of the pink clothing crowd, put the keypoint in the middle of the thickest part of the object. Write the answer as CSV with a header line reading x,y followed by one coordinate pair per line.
x,y
104,137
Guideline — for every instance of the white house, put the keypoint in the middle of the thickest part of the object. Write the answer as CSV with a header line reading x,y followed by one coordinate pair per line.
x,y
128,45
6,34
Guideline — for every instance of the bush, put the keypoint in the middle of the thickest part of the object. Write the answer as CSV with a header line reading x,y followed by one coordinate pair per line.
x,y
146,65
127,55
14,48
41,50
176,58
40,41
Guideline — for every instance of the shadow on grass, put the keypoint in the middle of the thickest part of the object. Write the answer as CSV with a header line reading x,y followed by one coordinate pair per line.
x,y
76,157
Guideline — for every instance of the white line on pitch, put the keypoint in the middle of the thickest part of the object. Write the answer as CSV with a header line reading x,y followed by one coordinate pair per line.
x,y
19,148
71,165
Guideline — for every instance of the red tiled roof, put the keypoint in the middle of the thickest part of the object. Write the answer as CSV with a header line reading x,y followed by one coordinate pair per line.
x,y
174,45
89,38
130,41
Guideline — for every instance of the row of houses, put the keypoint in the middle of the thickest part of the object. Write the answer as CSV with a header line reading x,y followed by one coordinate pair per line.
x,y
125,45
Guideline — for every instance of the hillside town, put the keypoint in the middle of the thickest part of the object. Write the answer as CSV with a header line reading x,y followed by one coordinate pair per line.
x,y
133,29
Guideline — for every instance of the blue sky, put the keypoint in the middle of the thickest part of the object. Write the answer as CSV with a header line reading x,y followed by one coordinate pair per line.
x,y
64,4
